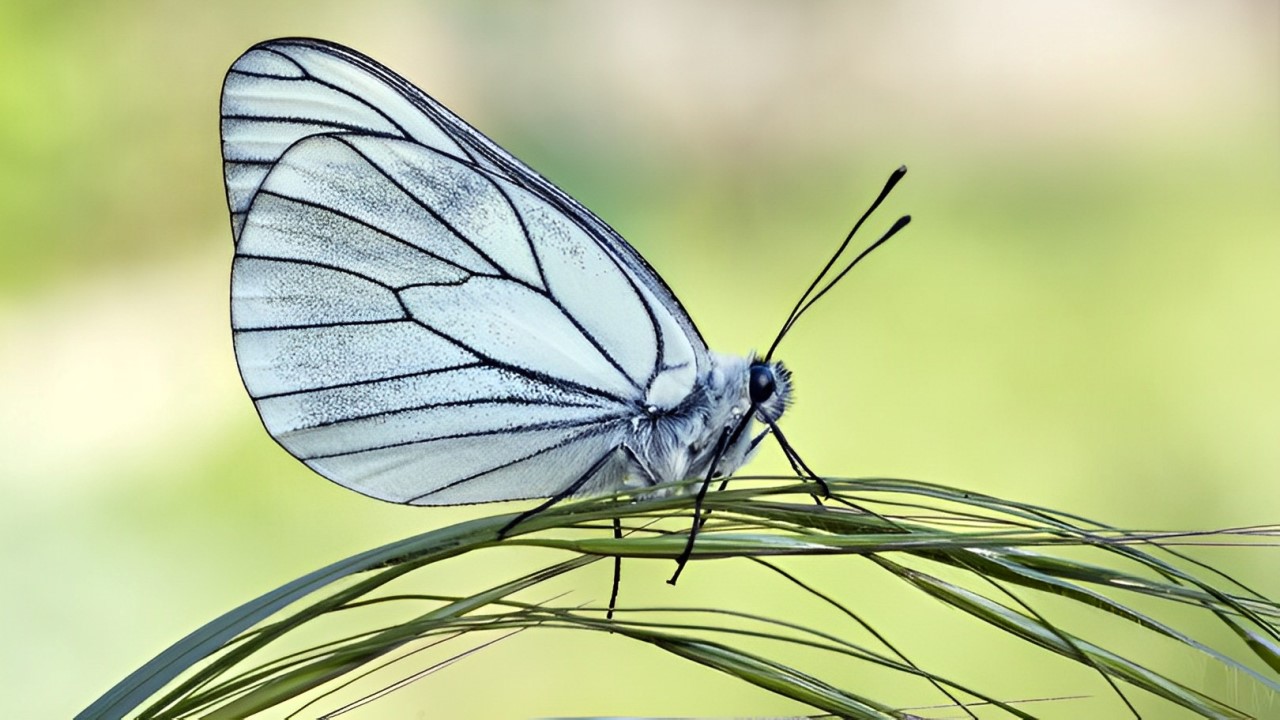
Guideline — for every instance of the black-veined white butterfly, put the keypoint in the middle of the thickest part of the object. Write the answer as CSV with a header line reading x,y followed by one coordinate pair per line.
x,y
422,318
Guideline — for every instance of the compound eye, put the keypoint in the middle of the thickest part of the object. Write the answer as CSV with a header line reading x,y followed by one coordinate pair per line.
x,y
762,384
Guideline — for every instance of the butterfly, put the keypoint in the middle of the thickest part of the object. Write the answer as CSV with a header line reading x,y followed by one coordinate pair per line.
x,y
422,318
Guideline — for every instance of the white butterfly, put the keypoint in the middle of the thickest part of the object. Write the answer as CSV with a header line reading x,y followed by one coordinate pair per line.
x,y
422,318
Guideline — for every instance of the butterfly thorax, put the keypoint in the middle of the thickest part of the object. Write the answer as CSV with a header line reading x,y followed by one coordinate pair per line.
x,y
681,442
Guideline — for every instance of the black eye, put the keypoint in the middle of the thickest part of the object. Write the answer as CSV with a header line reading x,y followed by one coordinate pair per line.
x,y
762,384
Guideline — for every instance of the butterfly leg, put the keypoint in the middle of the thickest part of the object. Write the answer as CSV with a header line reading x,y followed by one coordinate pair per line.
x,y
727,439
798,465
568,492
639,468
803,470
617,571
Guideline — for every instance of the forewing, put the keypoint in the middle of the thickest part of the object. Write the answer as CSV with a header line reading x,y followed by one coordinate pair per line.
x,y
284,90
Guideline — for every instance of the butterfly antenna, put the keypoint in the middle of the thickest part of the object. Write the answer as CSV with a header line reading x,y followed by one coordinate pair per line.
x,y
812,293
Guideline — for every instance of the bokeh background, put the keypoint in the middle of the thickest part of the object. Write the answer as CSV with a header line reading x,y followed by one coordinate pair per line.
x,y
1085,314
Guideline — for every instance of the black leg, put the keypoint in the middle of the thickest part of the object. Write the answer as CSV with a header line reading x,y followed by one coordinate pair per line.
x,y
797,464
693,529
565,493
726,441
617,571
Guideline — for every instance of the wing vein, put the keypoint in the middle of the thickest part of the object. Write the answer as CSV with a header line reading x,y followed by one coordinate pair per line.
x,y
409,92
372,381
382,231
308,77
430,210
497,401
323,266
551,296
528,372
316,326
510,463
592,427
307,120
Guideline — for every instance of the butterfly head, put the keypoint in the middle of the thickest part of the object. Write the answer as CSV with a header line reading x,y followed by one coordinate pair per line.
x,y
769,387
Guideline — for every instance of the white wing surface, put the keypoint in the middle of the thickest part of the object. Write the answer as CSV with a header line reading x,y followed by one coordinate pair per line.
x,y
417,315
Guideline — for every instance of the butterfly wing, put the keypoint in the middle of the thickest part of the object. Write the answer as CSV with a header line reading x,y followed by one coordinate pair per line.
x,y
417,315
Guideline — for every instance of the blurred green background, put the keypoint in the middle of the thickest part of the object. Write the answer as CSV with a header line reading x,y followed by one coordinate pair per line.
x,y
1085,314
